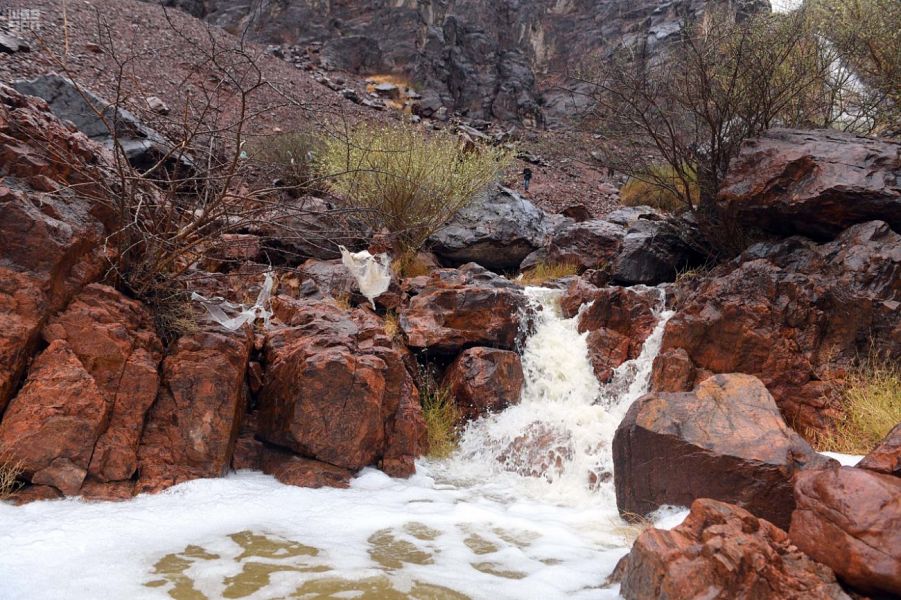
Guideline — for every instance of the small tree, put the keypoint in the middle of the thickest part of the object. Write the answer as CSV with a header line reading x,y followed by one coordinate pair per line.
x,y
406,181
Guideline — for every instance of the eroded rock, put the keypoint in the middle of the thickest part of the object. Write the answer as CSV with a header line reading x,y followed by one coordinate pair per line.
x,y
484,380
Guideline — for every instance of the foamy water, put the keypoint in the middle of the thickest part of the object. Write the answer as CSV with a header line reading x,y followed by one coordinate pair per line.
x,y
525,509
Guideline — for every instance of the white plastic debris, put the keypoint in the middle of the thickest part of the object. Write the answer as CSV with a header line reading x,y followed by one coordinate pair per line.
x,y
373,273
220,308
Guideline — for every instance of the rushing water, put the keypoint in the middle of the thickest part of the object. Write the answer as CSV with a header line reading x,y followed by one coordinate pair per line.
x,y
524,509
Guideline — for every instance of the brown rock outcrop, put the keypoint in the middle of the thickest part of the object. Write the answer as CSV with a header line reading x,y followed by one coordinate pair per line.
x,y
722,552
484,380
885,457
471,308
726,440
337,390
291,469
814,182
590,244
794,314
849,519
192,427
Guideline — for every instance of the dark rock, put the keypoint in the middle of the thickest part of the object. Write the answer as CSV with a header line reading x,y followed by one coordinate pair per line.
x,y
354,53
726,440
722,552
655,251
814,182
591,244
10,44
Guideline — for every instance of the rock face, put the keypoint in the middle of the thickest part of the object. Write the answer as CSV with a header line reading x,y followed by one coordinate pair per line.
x,y
337,390
849,519
792,313
654,251
497,231
722,552
886,457
456,310
726,440
291,469
814,182
50,238
484,380
192,427
618,322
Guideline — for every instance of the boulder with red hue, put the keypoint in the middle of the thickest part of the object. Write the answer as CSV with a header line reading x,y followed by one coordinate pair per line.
x,y
291,469
50,236
114,338
471,307
726,440
722,552
51,426
191,429
795,314
849,519
589,245
337,390
885,457
814,182
484,380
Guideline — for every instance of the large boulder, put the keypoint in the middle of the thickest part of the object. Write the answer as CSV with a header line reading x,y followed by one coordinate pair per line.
x,y
795,314
886,456
814,182
722,552
191,429
592,244
726,440
50,236
484,380
114,339
498,230
337,390
849,519
655,251
461,309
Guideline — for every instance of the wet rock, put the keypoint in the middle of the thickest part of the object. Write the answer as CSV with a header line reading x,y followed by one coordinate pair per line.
x,y
192,427
654,251
886,456
484,380
722,552
324,357
814,182
51,426
794,314
541,450
849,519
590,244
34,493
114,339
726,440
470,307
498,230
291,469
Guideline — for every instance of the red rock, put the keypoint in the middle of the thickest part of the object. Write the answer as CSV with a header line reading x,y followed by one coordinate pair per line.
x,y
885,457
462,309
793,314
726,440
291,469
111,491
23,308
35,493
813,182
192,427
114,339
484,380
722,552
51,426
849,519
338,390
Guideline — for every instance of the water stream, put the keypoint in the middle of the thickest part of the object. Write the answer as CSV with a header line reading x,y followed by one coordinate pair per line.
x,y
524,509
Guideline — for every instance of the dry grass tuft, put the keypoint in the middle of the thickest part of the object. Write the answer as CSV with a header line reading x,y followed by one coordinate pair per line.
x,y
343,301
392,326
871,399
441,416
632,526
544,272
409,264
9,475
656,189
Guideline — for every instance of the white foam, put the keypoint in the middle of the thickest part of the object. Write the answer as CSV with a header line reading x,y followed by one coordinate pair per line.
x,y
561,533
846,460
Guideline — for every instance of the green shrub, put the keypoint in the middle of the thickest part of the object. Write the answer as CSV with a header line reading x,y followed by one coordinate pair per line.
x,y
871,401
440,414
657,189
406,181
289,157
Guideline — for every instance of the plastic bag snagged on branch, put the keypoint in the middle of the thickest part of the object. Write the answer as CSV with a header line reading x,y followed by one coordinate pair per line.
x,y
373,273
217,307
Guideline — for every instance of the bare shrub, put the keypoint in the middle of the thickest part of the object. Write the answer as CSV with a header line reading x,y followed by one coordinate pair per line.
x,y
655,188
10,470
289,158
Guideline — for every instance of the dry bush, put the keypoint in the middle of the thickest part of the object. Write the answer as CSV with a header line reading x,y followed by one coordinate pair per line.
x,y
406,181
654,188
392,326
410,264
9,475
441,415
289,158
871,403
543,272
632,526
